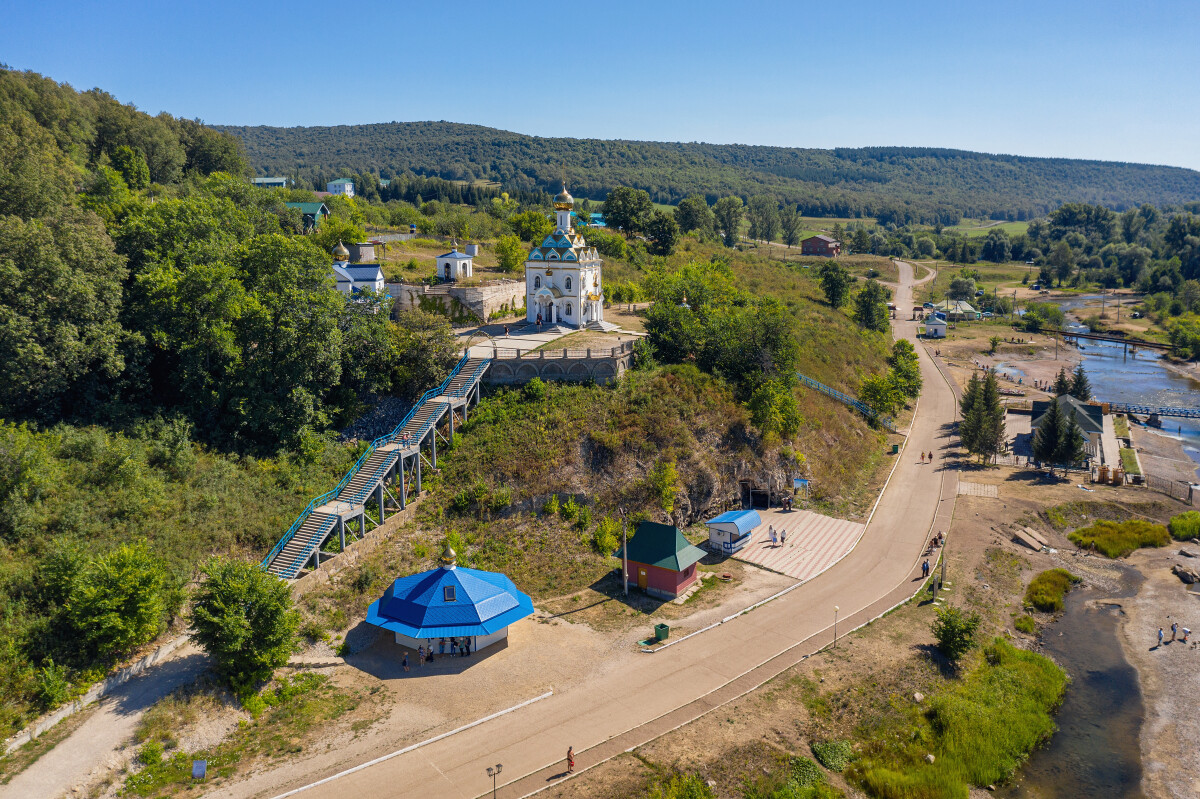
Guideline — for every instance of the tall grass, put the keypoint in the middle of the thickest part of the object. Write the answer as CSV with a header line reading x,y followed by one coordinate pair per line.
x,y
1047,590
1185,526
979,730
1118,539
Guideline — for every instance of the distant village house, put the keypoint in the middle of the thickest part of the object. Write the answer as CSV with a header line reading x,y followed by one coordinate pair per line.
x,y
821,245
341,186
270,183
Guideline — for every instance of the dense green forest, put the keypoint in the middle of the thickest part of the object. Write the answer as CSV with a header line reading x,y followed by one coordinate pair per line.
x,y
893,184
174,358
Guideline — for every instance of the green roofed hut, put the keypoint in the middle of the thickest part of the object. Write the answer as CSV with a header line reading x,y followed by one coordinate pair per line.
x,y
661,561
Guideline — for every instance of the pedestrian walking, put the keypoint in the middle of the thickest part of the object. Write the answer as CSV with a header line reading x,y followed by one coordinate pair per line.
x,y
1160,636
441,646
506,331
420,656
783,536
404,662
931,456
1174,629
925,569
570,759
922,457
774,538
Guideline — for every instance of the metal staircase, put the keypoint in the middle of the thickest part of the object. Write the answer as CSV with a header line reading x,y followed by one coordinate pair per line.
x,y
385,457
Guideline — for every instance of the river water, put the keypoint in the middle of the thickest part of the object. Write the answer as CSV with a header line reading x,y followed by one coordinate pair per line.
x,y
1096,751
1139,377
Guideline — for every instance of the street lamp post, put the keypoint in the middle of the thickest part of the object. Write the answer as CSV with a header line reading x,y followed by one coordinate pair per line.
x,y
835,614
494,773
624,554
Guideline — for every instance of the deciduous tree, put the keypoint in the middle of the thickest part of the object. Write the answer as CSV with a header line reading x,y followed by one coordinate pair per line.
x,y
836,281
870,306
243,618
628,209
663,232
728,213
510,252
693,213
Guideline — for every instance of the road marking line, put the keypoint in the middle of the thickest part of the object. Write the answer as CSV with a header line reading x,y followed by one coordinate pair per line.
x,y
418,745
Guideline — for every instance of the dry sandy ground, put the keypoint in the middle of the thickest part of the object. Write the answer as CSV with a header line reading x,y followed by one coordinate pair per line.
x,y
1162,454
1169,675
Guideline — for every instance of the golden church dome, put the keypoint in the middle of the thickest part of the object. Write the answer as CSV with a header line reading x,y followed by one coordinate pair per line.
x,y
563,200
340,253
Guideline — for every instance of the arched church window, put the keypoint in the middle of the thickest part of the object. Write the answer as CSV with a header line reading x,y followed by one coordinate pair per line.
x,y
568,309
537,281
568,284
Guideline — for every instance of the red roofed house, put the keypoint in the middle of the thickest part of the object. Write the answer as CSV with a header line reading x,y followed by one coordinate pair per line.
x,y
820,245
661,561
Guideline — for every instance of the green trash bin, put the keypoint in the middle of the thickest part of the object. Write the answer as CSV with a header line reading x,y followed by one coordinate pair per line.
x,y
661,631
895,449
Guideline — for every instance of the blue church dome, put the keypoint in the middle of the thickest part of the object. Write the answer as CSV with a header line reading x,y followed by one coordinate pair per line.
x,y
450,601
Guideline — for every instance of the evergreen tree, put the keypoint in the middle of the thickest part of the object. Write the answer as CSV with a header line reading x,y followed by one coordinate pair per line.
x,y
970,395
1062,383
1081,387
989,427
1070,449
1046,439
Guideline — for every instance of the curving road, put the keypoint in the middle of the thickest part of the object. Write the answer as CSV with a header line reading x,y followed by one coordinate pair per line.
x,y
608,716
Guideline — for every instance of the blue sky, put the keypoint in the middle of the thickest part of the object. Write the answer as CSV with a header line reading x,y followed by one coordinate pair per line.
x,y
1106,80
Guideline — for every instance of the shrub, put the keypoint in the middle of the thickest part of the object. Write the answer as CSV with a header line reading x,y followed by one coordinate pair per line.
x,y
53,687
584,520
117,601
535,389
833,755
1046,591
243,618
804,772
500,499
663,483
1118,539
569,510
955,632
682,786
1185,526
550,508
1026,624
607,536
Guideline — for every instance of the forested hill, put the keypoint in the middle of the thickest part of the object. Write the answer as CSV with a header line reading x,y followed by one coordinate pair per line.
x,y
894,183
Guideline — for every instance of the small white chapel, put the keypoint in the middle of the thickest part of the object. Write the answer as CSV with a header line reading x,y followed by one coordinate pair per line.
x,y
562,276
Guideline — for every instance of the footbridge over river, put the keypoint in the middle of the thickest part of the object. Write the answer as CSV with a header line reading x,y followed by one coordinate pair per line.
x,y
390,468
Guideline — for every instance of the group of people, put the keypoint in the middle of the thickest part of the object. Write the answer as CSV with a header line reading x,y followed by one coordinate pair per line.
x,y
930,456
460,648
778,537
1175,628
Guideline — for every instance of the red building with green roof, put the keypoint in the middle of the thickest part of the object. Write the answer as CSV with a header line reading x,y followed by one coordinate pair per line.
x,y
661,561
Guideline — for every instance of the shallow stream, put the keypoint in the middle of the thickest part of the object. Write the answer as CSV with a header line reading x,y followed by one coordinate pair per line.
x,y
1096,751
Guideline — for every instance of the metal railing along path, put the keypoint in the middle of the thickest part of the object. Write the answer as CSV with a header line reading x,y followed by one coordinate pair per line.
x,y
389,438
857,404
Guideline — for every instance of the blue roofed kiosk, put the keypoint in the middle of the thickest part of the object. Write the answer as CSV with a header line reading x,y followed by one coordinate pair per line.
x,y
732,530
661,561
450,602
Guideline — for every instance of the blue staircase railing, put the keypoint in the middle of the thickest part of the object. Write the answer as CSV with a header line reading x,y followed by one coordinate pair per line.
x,y
388,438
857,404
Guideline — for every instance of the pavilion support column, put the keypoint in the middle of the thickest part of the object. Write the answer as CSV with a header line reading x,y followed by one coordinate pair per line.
x,y
362,522
451,414
433,445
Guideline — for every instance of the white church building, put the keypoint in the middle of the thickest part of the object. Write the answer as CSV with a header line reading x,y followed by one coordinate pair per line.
x,y
562,276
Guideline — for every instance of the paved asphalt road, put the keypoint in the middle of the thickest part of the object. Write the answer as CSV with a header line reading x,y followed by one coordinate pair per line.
x,y
677,684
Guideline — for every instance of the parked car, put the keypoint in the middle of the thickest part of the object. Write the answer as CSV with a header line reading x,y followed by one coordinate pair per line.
x,y
1036,287
927,305
987,314
979,293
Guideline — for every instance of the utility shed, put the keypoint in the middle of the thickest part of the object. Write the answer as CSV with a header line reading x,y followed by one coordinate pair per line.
x,y
732,530
661,561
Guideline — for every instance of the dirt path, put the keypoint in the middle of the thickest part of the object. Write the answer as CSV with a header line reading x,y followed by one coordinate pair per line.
x,y
602,716
97,744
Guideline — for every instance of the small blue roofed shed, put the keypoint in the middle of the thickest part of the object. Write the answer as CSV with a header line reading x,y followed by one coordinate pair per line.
x,y
450,602
732,530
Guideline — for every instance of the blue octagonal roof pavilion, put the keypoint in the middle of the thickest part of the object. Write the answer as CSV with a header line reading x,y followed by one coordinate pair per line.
x,y
450,601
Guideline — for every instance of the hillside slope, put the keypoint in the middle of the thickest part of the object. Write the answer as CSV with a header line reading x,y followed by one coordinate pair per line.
x,y
901,183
